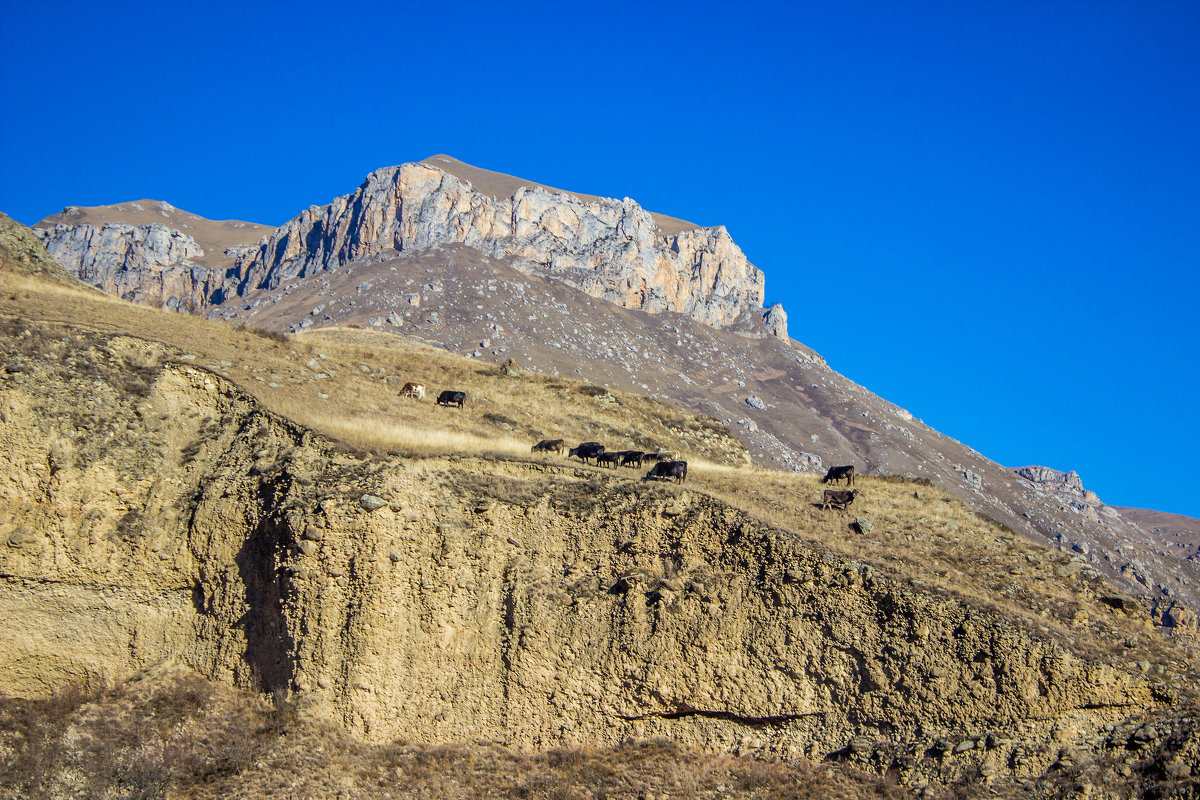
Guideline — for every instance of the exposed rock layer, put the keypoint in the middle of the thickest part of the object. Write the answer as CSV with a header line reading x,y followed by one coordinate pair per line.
x,y
150,264
612,249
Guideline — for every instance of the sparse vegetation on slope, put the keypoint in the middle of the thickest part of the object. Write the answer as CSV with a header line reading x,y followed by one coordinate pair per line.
x,y
171,733
483,588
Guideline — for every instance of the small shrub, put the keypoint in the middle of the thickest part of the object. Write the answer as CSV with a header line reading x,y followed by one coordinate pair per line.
x,y
275,336
591,390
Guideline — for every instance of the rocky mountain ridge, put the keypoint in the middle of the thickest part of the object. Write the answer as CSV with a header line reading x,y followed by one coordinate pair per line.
x,y
610,249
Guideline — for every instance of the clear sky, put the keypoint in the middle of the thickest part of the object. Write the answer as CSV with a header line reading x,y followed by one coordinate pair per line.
x,y
988,213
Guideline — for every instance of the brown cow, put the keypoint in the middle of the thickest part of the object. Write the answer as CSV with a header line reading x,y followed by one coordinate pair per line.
x,y
611,459
413,390
839,497
549,446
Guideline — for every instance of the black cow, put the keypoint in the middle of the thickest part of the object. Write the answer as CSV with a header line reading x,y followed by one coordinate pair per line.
x,y
611,459
586,451
451,398
667,470
549,446
838,473
632,457
839,497
661,455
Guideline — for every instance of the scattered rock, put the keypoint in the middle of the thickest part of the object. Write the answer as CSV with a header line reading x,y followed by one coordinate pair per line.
x,y
370,502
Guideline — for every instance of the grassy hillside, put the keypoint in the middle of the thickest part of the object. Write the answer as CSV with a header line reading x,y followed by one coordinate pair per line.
x,y
344,383
201,739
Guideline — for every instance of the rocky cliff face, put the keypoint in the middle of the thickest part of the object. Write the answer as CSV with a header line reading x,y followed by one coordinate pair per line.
x,y
611,249
152,509
150,264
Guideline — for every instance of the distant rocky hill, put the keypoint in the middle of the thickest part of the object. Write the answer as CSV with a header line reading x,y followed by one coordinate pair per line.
x,y
604,290
148,251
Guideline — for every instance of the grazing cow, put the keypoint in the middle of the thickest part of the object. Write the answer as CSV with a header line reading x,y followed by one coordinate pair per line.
x,y
586,451
549,446
451,398
838,473
839,497
413,390
611,459
632,457
661,456
667,470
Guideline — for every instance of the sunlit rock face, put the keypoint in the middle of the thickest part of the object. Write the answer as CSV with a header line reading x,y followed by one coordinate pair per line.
x,y
151,264
612,249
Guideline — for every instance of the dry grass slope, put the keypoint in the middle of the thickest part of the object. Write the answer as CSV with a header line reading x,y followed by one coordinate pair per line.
x,y
344,383
172,734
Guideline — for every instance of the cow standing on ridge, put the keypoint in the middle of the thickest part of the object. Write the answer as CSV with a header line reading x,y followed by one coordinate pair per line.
x,y
838,473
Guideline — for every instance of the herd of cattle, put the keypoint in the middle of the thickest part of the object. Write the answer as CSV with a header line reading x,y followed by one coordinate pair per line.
x,y
667,465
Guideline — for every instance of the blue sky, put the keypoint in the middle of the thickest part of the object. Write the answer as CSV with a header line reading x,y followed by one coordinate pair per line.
x,y
987,213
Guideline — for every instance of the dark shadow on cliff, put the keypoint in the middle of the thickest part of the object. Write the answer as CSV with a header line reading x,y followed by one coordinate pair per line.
x,y
269,644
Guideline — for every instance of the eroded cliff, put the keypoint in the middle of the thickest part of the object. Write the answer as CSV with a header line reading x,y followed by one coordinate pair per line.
x,y
154,510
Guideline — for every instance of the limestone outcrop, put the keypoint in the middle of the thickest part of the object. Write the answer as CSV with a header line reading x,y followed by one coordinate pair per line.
x,y
612,249
151,264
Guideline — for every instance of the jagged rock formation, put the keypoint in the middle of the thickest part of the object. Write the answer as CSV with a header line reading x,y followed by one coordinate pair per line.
x,y
1066,487
148,251
611,249
150,264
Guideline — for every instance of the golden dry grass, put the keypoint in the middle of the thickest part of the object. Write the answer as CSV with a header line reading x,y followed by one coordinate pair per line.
x,y
344,383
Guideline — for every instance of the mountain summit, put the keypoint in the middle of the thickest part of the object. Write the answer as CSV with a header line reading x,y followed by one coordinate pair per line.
x,y
611,249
